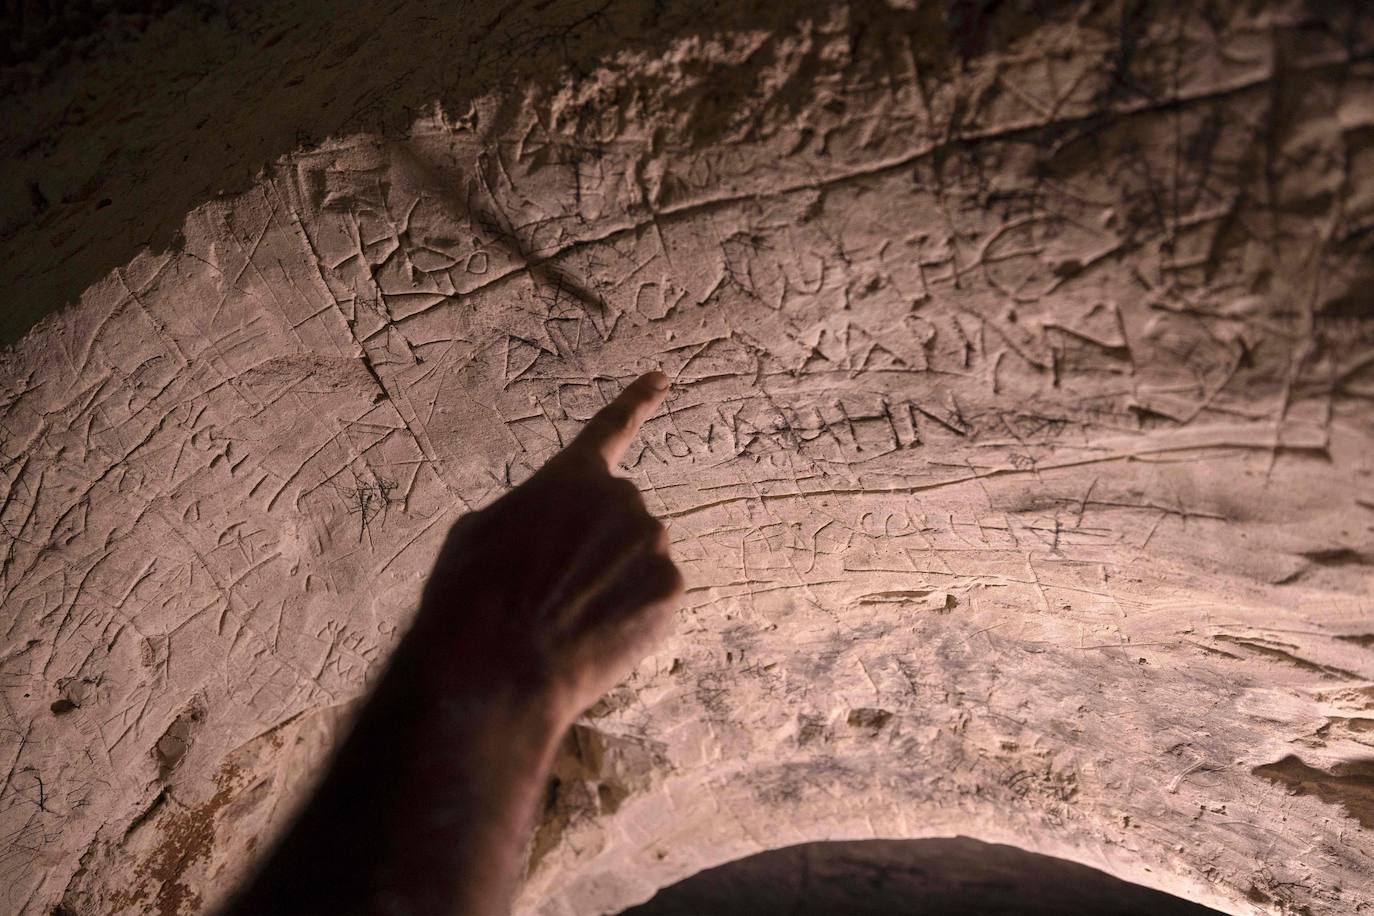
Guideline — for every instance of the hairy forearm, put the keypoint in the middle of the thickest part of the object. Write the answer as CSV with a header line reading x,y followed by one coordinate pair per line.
x,y
427,805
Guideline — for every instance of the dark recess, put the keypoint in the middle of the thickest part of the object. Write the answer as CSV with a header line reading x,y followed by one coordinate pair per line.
x,y
935,877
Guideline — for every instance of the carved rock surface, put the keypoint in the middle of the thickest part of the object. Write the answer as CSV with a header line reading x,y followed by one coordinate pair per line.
x,y
1020,458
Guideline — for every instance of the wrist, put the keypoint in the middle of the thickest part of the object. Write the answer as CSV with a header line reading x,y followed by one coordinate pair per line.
x,y
500,695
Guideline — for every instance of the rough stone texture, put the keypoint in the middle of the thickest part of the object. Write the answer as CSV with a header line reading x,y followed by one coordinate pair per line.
x,y
1020,459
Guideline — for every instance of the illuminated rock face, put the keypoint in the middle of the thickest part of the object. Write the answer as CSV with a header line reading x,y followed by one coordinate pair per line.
x,y
1020,458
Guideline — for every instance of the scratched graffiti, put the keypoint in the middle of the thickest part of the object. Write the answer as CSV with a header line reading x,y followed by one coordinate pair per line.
x,y
1018,457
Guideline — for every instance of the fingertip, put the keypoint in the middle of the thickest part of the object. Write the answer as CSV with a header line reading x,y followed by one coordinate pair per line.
x,y
610,432
677,585
649,390
652,389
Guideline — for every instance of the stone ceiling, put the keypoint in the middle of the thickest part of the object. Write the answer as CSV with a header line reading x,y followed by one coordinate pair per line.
x,y
1020,456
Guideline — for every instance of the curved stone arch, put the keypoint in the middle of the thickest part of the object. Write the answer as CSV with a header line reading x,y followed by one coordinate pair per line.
x,y
1087,574
934,875
708,842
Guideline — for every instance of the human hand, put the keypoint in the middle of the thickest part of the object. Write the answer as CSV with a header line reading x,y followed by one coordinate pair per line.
x,y
537,605
564,583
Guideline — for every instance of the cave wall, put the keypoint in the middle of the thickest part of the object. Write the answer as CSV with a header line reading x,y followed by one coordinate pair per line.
x,y
1018,458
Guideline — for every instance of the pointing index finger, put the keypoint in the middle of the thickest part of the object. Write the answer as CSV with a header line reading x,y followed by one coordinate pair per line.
x,y
610,432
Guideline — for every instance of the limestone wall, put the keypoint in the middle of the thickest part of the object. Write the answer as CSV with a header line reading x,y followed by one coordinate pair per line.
x,y
1020,458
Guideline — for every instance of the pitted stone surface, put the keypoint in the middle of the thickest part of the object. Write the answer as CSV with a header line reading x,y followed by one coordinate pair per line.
x,y
1020,456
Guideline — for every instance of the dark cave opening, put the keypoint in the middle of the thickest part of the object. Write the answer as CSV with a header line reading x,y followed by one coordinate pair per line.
x,y
934,877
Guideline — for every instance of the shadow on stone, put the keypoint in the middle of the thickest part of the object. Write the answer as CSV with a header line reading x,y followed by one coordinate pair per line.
x,y
934,877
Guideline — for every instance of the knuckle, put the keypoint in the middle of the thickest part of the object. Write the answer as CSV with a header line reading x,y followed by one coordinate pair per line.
x,y
666,580
641,530
465,529
614,416
660,538
652,533
627,495
653,528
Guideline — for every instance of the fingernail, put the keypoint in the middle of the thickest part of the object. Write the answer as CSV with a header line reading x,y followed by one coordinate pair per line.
x,y
657,380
